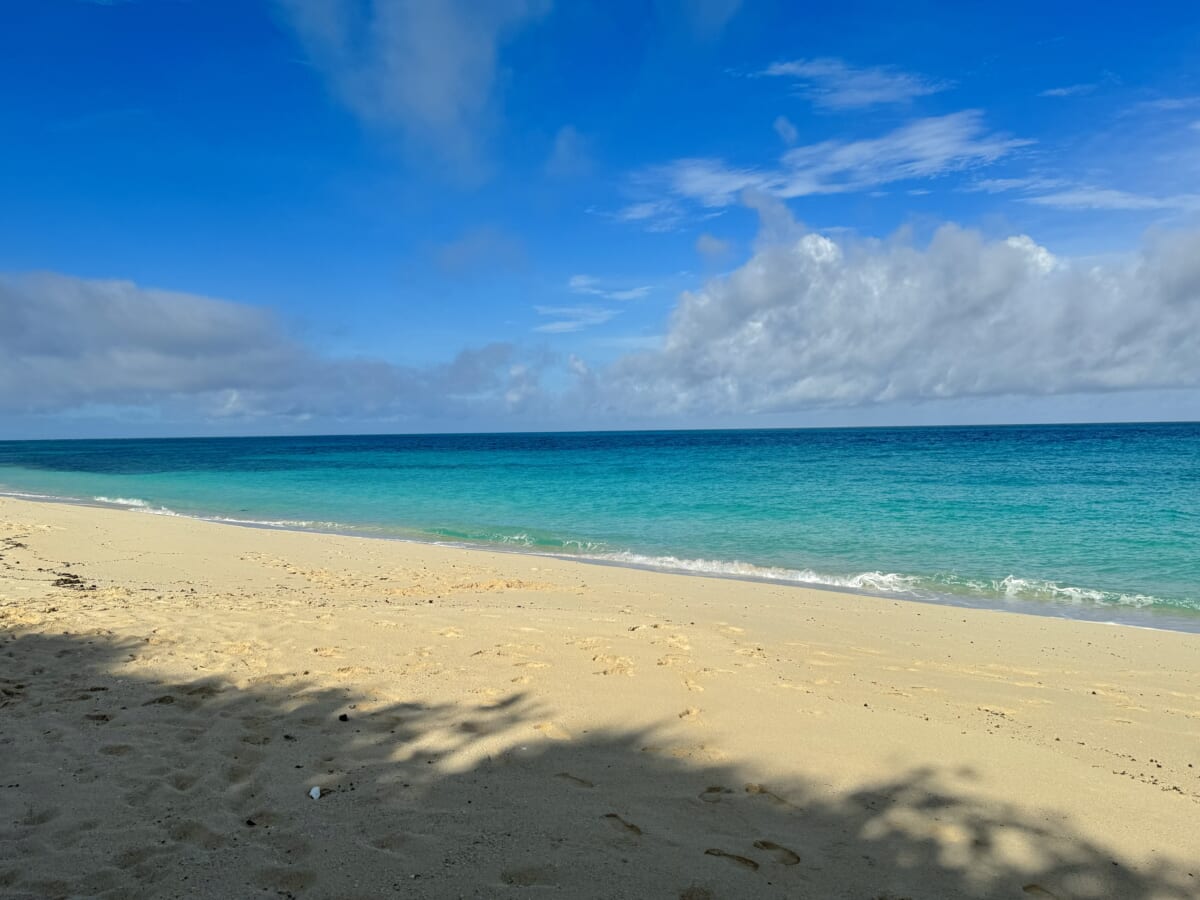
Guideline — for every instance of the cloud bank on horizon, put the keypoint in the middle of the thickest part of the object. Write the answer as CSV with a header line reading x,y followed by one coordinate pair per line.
x,y
521,214
808,321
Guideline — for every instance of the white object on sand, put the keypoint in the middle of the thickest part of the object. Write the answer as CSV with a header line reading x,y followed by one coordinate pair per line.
x,y
315,793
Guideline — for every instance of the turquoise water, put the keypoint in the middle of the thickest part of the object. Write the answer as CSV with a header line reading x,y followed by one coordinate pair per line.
x,y
1099,521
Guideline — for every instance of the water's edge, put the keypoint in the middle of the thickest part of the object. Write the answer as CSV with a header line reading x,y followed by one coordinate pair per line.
x,y
1152,618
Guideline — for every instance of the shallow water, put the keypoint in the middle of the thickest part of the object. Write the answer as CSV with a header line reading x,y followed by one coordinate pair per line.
x,y
1099,521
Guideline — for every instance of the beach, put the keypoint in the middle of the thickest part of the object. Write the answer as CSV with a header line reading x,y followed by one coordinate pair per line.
x,y
486,724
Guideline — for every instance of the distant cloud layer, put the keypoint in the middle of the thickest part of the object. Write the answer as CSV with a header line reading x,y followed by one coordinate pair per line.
x,y
70,343
805,323
808,322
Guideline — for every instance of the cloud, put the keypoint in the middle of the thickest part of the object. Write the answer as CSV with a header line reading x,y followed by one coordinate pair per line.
x,y
569,157
572,318
483,249
427,68
70,344
1023,183
1060,194
705,18
1108,198
808,323
1071,90
1167,104
921,149
586,284
711,247
1063,195
832,84
658,215
786,130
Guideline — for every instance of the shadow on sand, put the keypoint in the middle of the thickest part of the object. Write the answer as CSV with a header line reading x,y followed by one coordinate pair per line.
x,y
119,786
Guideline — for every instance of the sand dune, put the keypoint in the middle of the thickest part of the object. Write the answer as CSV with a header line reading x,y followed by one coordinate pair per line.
x,y
495,725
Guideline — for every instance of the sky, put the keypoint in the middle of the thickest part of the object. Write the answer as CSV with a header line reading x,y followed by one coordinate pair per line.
x,y
320,216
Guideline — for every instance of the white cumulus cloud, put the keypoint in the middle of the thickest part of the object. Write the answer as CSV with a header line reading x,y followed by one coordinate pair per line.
x,y
808,322
69,344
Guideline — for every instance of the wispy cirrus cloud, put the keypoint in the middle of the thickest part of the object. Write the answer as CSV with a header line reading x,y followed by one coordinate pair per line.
x,y
835,85
569,155
572,318
704,18
1070,90
485,248
922,149
588,284
712,247
1017,183
1059,193
1112,199
1165,104
659,215
787,132
426,68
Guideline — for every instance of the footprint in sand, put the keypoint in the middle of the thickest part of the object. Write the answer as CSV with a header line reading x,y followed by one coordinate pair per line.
x,y
450,633
763,791
614,665
34,817
713,794
284,880
621,825
745,861
529,876
391,843
1037,890
196,834
354,671
779,853
327,652
690,713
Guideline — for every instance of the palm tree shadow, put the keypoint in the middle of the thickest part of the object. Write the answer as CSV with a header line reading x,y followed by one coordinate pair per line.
x,y
116,784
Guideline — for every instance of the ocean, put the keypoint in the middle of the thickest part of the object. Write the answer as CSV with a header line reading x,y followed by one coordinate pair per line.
x,y
1087,521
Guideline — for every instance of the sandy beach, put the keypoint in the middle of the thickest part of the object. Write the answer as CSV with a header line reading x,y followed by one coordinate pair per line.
x,y
499,725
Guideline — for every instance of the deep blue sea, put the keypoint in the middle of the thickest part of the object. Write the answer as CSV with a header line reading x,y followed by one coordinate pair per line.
x,y
1093,521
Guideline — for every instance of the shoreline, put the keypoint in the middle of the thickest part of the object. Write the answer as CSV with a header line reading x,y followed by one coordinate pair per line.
x,y
1153,618
480,723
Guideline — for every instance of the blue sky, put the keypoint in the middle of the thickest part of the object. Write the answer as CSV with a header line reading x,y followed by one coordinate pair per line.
x,y
609,214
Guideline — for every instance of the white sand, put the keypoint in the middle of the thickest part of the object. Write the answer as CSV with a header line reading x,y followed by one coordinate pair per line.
x,y
517,726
